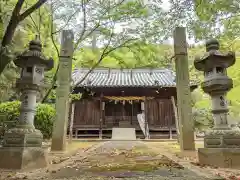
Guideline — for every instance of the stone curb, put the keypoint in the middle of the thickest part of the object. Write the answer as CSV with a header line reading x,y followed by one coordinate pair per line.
x,y
199,171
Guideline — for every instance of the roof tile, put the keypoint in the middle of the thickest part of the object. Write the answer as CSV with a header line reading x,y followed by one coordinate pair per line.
x,y
124,77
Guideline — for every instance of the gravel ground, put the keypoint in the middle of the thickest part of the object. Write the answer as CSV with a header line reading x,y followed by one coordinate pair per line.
x,y
115,160
109,153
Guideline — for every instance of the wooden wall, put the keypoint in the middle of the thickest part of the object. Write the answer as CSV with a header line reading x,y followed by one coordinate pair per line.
x,y
86,113
159,113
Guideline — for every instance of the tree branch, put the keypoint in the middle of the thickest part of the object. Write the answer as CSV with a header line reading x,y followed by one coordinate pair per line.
x,y
103,55
97,63
66,24
17,8
8,35
84,19
58,54
31,9
83,35
35,25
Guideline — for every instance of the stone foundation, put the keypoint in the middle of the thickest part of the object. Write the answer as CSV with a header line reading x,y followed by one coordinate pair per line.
x,y
23,137
222,139
22,158
220,157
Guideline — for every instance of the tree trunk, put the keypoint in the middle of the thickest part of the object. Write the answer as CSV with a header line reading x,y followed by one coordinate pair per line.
x,y
4,58
11,28
16,18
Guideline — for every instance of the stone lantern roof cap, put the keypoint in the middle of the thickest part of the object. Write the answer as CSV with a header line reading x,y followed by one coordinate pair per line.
x,y
34,56
214,58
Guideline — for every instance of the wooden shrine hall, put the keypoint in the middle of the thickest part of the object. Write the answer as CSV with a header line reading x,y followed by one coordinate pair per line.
x,y
114,98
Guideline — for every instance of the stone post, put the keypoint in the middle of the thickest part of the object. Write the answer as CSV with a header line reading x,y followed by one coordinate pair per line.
x,y
221,144
62,92
186,125
22,145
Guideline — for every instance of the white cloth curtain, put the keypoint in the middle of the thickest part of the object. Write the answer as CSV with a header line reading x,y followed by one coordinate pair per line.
x,y
143,126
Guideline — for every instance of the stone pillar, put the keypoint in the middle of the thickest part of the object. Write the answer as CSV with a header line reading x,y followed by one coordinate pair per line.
x,y
22,145
186,125
28,107
221,144
62,92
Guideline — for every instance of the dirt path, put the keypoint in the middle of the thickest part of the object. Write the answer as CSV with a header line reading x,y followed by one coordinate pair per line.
x,y
129,160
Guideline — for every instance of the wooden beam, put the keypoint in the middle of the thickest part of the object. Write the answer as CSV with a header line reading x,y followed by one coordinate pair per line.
x,y
186,125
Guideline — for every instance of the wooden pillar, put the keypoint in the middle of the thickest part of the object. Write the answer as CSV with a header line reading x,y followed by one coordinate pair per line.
x,y
186,125
62,92
132,113
176,117
102,107
170,132
144,109
71,122
123,110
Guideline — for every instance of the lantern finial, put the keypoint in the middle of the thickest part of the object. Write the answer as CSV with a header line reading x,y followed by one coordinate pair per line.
x,y
35,44
212,44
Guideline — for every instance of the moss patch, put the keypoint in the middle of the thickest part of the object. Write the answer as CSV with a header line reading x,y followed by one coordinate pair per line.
x,y
131,164
145,167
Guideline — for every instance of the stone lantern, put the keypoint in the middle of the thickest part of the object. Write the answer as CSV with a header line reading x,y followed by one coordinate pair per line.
x,y
221,144
22,145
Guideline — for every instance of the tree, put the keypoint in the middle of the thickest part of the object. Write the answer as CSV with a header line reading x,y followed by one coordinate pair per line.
x,y
205,19
17,16
111,24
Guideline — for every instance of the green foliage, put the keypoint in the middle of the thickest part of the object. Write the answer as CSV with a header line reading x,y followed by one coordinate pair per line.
x,y
138,55
75,96
149,23
9,113
44,118
202,118
10,110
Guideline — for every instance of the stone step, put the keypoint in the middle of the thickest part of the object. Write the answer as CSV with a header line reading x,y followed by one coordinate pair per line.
x,y
123,134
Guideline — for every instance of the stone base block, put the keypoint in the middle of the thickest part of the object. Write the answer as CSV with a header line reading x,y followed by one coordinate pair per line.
x,y
123,134
22,158
220,157
222,139
24,137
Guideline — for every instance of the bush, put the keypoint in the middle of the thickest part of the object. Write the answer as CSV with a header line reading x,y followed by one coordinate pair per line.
x,y
9,110
203,119
44,117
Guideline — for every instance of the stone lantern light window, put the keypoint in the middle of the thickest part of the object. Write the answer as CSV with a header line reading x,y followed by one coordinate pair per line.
x,y
29,69
220,70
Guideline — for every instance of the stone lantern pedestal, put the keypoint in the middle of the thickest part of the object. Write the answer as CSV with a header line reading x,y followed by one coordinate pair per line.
x,y
221,144
22,145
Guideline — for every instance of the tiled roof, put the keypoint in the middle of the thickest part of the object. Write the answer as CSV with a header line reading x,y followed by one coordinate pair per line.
x,y
125,78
